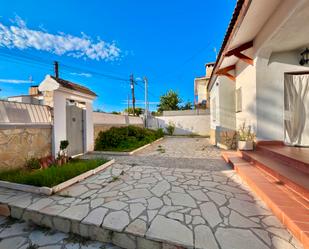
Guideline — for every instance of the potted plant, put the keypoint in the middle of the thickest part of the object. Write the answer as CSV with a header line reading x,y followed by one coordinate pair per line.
x,y
63,154
245,137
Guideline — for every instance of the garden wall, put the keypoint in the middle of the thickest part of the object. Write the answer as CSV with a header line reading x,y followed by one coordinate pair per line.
x,y
184,125
25,132
104,121
19,143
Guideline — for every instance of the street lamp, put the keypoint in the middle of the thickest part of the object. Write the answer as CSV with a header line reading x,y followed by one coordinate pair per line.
x,y
304,57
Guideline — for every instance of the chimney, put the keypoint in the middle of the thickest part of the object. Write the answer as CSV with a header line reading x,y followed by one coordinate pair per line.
x,y
56,68
34,90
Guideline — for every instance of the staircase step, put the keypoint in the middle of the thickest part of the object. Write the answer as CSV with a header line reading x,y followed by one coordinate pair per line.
x,y
291,156
292,177
289,207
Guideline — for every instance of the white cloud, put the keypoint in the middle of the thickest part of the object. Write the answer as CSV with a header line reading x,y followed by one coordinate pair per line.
x,y
87,75
14,81
20,36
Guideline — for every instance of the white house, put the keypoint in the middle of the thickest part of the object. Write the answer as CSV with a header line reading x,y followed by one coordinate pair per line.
x,y
261,76
72,114
201,95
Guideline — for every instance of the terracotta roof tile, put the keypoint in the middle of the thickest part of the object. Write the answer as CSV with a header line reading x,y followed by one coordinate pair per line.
x,y
73,86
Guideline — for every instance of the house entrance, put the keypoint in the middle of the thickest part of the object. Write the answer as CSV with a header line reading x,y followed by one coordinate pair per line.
x,y
74,123
296,109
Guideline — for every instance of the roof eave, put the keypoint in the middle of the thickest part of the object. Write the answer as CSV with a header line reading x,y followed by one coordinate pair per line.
x,y
237,17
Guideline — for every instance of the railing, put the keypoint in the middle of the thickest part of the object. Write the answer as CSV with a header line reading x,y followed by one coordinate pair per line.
x,y
14,113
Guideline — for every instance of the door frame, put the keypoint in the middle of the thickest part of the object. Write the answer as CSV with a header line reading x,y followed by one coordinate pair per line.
x,y
290,73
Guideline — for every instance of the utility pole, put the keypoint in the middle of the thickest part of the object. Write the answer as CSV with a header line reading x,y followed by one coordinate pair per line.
x,y
133,96
128,104
146,100
56,68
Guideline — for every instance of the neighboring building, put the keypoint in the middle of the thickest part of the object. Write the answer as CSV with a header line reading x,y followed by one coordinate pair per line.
x,y
261,76
72,113
34,97
201,96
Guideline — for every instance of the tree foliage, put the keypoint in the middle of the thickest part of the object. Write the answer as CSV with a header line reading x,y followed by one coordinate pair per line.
x,y
187,106
138,110
169,101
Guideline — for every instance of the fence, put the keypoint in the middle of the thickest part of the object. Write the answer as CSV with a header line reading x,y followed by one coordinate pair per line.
x,y
104,121
25,132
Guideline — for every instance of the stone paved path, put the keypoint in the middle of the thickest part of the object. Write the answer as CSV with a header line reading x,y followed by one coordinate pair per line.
x,y
179,191
16,234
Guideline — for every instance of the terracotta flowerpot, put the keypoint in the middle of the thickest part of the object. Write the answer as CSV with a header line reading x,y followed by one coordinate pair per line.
x,y
245,145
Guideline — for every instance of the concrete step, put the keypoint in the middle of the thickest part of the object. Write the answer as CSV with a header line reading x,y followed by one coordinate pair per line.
x,y
291,209
83,228
292,177
291,156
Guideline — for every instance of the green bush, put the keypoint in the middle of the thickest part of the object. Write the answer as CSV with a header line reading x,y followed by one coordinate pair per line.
x,y
32,163
125,138
170,128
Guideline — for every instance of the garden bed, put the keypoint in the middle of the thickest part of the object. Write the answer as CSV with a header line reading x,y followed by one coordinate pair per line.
x,y
52,179
126,140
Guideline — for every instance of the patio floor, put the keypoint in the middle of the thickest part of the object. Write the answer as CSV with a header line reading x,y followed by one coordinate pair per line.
x,y
177,192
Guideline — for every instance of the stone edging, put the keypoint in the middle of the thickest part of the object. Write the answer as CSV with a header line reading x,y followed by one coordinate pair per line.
x,y
57,188
129,153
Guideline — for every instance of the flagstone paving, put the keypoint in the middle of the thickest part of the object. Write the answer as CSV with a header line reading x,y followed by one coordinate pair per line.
x,y
16,234
176,192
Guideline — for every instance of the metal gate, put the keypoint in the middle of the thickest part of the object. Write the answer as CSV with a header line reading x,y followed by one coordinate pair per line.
x,y
74,120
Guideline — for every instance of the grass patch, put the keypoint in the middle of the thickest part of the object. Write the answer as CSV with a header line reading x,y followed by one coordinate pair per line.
x,y
125,139
53,175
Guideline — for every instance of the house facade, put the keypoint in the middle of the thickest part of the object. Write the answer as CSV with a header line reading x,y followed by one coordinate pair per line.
x,y
261,76
201,94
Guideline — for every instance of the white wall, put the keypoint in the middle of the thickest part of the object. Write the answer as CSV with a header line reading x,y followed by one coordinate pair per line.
x,y
59,128
184,125
246,80
115,119
214,110
226,103
223,93
270,92
89,127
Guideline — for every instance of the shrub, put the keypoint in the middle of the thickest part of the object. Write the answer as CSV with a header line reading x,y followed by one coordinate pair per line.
x,y
159,133
33,163
125,138
170,128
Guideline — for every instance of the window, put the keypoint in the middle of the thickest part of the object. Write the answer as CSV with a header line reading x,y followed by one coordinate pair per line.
x,y
238,100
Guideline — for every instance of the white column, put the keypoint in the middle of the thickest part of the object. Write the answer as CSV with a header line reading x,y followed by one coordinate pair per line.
x,y
89,134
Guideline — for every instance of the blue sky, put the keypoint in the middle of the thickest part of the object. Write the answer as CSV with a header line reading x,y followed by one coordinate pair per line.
x,y
167,41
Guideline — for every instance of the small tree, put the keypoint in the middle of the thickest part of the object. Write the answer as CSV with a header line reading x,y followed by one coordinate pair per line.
x,y
170,128
169,101
138,111
187,106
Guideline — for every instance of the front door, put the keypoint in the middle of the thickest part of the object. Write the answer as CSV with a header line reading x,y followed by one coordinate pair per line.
x,y
74,119
296,107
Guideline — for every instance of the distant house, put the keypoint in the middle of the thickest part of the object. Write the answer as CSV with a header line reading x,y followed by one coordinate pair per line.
x,y
201,96
33,97
261,76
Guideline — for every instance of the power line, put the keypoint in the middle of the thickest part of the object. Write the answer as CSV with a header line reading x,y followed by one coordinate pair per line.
x,y
41,62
